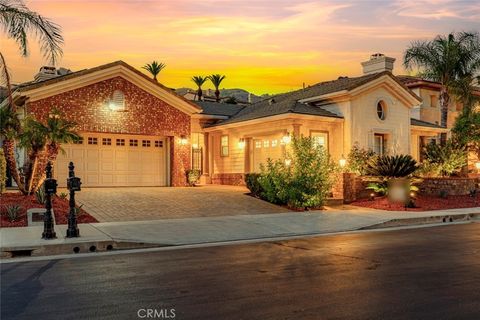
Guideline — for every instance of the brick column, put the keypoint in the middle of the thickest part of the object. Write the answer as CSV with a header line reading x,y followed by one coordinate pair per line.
x,y
180,157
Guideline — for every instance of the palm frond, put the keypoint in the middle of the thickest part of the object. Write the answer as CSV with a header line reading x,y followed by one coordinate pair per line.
x,y
216,79
154,68
18,21
199,80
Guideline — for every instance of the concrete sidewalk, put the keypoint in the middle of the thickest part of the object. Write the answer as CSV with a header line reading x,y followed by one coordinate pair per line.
x,y
174,232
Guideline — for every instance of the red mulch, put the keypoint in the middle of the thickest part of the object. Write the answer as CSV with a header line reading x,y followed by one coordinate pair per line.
x,y
422,203
60,209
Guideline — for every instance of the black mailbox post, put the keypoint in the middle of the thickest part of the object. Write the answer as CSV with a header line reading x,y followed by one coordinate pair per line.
x,y
73,184
50,186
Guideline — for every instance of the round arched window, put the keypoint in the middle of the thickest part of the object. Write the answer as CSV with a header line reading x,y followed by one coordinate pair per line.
x,y
118,101
381,110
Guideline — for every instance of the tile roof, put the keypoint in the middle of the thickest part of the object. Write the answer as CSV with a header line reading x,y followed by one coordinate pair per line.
x,y
289,102
421,123
219,109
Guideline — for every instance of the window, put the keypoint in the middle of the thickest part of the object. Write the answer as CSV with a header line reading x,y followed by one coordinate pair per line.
x,y
79,141
107,141
224,146
320,138
433,101
266,143
158,144
145,143
379,143
274,143
117,103
92,140
133,143
120,142
258,144
381,110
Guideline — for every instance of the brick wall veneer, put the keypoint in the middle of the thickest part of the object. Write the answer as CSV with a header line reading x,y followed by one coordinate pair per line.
x,y
145,114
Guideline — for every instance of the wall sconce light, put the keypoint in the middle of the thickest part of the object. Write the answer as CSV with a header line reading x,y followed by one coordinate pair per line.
x,y
183,140
112,106
241,143
286,138
342,162
288,162
477,165
195,146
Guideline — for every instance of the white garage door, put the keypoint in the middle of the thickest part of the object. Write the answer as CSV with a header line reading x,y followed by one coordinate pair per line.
x,y
112,160
266,147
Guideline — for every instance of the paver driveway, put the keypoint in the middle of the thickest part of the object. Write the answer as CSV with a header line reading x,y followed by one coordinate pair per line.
x,y
151,203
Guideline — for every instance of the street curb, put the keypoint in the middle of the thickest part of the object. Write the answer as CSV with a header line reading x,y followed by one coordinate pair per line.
x,y
462,217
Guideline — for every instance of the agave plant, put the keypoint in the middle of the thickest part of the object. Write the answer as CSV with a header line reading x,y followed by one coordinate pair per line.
x,y
386,167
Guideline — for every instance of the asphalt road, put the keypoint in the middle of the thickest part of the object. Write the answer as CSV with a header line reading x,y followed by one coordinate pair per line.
x,y
428,273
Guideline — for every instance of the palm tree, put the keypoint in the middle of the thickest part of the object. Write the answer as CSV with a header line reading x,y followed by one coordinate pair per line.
x,y
154,68
216,80
43,140
448,60
199,81
18,22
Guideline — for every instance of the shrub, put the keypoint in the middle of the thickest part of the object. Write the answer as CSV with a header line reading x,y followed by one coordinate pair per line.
x,y
251,180
444,160
386,167
357,160
3,172
392,176
193,176
13,211
306,182
40,195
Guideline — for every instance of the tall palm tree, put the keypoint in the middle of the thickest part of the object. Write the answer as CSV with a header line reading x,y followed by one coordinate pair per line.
x,y
448,60
216,80
19,22
199,81
154,68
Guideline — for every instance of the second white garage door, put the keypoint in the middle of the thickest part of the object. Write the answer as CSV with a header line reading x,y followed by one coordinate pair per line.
x,y
111,160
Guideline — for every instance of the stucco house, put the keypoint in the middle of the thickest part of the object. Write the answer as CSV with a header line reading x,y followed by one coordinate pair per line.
x,y
137,132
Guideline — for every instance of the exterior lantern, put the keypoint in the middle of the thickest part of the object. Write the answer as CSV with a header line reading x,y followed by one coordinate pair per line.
x,y
50,186
241,143
342,161
286,138
288,162
477,165
183,140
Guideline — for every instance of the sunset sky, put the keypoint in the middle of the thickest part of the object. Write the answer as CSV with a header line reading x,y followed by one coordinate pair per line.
x,y
264,46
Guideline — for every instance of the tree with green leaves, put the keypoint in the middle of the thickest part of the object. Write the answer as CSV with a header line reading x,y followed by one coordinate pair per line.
x,y
18,23
154,68
451,60
466,130
216,80
199,81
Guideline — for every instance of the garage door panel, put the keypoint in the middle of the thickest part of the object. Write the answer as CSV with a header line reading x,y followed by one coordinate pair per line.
x,y
114,165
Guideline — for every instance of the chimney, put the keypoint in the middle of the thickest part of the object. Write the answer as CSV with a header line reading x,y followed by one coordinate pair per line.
x,y
46,73
378,62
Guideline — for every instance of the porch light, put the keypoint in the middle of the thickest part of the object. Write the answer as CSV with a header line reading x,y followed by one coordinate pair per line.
x,y
195,146
288,162
241,143
183,140
477,165
342,161
286,138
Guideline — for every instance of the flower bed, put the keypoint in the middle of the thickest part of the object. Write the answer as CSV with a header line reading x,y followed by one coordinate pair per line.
x,y
423,203
60,208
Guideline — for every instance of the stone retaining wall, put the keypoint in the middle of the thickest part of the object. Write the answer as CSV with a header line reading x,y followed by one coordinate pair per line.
x,y
234,179
452,186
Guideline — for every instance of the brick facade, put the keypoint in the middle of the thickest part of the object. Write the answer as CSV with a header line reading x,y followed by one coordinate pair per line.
x,y
145,114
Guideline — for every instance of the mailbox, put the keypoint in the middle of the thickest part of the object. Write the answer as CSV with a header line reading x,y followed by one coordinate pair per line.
x,y
50,186
73,183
